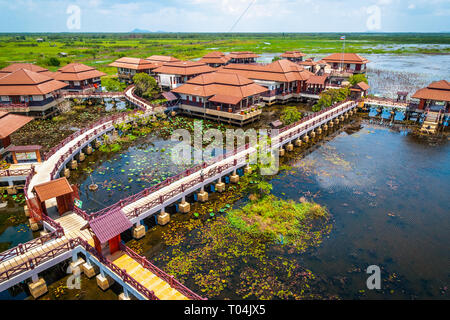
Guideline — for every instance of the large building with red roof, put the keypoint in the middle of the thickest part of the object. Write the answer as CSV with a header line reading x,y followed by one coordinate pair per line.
x,y
293,56
347,62
243,57
25,91
127,68
79,78
436,96
174,74
283,79
227,96
215,59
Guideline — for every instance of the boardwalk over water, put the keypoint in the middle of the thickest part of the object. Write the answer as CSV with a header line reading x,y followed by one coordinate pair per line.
x,y
135,273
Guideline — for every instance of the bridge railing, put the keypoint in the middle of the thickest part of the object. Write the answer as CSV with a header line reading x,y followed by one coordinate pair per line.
x,y
127,201
134,198
80,132
101,127
174,283
66,247
28,246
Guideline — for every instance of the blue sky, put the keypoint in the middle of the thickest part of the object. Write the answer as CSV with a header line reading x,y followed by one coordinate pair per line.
x,y
220,15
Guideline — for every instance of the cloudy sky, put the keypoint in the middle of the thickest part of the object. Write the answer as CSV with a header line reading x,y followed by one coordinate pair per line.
x,y
221,15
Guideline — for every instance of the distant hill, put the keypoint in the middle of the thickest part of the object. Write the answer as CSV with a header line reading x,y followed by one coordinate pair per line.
x,y
140,31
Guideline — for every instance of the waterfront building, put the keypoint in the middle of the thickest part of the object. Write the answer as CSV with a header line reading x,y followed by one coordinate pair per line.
x,y
243,57
221,96
215,59
127,68
436,96
174,74
80,78
30,93
293,56
283,79
347,63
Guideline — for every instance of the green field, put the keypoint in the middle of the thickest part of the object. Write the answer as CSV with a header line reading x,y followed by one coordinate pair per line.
x,y
99,50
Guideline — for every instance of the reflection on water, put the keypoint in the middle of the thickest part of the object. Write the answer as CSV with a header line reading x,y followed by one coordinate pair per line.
x,y
388,194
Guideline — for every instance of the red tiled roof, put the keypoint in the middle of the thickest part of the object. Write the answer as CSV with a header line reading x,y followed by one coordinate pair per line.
x,y
110,225
222,87
308,62
134,64
438,91
25,82
10,123
53,189
280,71
215,57
220,98
24,148
243,55
27,66
77,72
184,68
346,57
363,86
293,54
317,80
162,59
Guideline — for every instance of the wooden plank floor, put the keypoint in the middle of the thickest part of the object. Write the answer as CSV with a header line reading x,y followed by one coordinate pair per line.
x,y
148,279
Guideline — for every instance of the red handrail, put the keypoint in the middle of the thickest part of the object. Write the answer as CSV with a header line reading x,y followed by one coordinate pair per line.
x,y
161,274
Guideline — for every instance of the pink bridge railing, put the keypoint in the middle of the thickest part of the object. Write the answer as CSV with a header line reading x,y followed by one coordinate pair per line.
x,y
161,274
319,117
102,126
66,247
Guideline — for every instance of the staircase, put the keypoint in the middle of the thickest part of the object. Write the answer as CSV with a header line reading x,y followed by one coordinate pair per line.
x,y
431,123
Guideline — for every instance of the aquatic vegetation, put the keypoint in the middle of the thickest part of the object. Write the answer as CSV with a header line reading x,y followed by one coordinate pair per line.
x,y
110,148
278,220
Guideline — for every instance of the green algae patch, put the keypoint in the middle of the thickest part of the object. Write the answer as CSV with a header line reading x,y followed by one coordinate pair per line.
x,y
280,220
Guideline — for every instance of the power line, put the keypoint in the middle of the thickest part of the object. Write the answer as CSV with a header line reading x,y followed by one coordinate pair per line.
x,y
243,14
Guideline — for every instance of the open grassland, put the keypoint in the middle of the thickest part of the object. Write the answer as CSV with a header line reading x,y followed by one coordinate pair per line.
x,y
99,50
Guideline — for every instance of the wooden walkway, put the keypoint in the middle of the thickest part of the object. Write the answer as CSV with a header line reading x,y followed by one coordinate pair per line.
x,y
145,277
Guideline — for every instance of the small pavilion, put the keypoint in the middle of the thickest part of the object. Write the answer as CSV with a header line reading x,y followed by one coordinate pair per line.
x,y
59,189
10,123
359,90
107,229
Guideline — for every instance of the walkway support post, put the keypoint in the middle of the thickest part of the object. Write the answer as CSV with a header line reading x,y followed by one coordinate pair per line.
x,y
125,295
202,196
220,186
235,177
138,231
37,287
184,207
90,270
163,217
